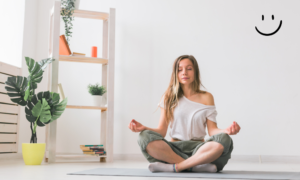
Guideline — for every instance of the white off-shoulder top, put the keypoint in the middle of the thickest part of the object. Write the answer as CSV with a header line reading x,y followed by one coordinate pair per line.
x,y
190,119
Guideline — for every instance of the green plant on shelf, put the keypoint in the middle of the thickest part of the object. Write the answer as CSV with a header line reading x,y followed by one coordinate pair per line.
x,y
67,10
96,89
42,108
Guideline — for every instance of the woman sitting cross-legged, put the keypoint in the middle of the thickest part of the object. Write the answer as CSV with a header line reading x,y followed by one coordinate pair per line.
x,y
189,110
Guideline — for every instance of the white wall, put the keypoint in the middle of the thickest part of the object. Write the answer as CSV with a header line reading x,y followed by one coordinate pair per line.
x,y
18,39
28,50
254,78
12,31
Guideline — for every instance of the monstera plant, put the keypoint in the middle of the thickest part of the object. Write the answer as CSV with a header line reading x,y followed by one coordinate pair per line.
x,y
41,108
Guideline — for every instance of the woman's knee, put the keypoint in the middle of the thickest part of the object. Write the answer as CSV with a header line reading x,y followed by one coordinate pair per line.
x,y
225,140
147,136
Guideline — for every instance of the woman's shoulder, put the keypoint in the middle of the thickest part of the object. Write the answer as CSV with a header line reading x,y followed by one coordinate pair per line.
x,y
207,98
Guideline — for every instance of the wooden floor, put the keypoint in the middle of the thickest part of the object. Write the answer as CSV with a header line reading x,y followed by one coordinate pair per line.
x,y
16,170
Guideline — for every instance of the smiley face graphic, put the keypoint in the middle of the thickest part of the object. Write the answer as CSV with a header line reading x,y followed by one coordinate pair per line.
x,y
269,34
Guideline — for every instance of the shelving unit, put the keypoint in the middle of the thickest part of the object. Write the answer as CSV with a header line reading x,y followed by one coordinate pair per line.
x,y
107,61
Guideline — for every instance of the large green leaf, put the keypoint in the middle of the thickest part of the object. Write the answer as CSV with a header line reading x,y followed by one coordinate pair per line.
x,y
32,103
35,76
35,70
44,62
42,112
17,85
56,108
55,98
59,109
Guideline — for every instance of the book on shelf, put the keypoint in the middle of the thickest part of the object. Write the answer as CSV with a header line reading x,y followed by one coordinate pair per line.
x,y
77,54
92,148
100,145
87,150
64,48
95,154
103,152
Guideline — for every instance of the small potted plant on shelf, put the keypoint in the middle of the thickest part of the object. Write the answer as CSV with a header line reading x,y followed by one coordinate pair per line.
x,y
41,109
97,91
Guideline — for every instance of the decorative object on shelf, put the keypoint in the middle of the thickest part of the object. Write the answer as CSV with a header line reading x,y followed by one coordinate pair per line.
x,y
41,109
64,48
97,91
78,54
67,10
94,51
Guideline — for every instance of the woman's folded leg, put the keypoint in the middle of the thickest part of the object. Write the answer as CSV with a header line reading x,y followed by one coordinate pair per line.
x,y
147,136
225,140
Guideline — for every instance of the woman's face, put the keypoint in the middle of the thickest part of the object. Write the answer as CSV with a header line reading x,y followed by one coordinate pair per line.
x,y
185,72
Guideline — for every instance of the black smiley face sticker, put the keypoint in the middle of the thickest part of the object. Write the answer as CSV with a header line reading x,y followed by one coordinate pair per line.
x,y
269,34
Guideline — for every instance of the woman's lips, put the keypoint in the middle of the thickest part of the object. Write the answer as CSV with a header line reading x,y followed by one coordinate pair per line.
x,y
185,78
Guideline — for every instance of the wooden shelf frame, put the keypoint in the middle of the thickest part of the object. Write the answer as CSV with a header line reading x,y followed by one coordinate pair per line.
x,y
108,66
83,59
91,14
86,107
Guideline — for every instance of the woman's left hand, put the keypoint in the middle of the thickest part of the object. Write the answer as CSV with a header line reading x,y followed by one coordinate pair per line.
x,y
233,129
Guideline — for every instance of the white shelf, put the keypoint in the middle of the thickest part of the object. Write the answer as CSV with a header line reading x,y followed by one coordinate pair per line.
x,y
86,107
83,59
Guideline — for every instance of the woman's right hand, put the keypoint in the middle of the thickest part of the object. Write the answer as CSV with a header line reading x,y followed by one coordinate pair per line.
x,y
136,126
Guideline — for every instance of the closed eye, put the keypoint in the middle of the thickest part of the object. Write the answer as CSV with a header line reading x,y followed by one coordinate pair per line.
x,y
188,69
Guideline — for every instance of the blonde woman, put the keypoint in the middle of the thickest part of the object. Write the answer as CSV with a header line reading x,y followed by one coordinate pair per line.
x,y
189,110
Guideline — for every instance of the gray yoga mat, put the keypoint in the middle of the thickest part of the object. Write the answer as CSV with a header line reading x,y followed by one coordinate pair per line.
x,y
225,174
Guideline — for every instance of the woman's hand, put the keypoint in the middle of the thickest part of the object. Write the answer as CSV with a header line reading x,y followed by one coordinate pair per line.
x,y
136,126
233,129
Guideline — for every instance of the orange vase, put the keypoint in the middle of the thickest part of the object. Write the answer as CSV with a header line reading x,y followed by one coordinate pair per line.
x,y
94,51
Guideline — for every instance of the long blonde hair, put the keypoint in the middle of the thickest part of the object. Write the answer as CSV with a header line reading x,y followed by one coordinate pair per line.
x,y
174,91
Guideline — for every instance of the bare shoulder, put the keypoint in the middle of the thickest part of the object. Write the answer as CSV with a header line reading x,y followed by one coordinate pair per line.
x,y
208,98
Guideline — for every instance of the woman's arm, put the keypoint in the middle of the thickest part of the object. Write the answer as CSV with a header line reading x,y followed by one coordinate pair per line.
x,y
212,128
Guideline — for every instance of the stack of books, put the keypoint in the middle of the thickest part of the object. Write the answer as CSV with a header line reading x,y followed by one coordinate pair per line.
x,y
93,149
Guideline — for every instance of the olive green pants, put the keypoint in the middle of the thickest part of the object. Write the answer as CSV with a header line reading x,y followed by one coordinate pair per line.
x,y
186,149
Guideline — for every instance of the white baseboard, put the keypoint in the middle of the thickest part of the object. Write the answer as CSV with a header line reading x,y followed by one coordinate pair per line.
x,y
140,157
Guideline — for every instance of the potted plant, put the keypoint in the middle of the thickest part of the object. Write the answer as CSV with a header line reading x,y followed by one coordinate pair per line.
x,y
97,91
67,10
41,109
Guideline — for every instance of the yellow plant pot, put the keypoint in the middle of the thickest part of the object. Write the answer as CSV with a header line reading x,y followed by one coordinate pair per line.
x,y
33,153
